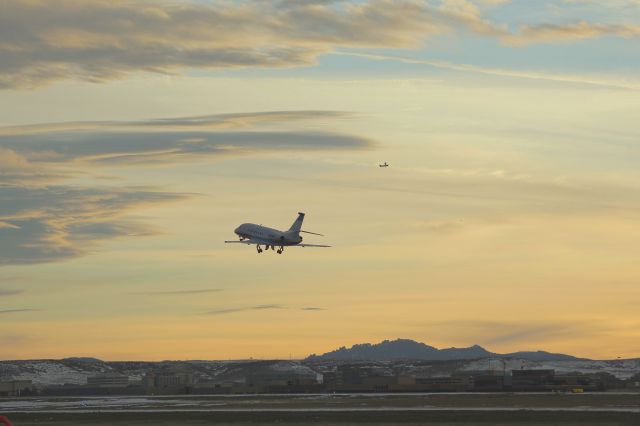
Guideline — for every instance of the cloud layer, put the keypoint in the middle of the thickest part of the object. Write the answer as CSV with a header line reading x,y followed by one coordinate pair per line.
x,y
44,220
99,40
268,307
10,292
53,223
177,292
224,311
161,141
14,311
518,332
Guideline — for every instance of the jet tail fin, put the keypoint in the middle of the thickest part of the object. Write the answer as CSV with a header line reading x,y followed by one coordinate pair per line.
x,y
297,225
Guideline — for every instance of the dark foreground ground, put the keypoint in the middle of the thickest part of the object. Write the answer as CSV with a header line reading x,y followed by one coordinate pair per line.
x,y
443,418
605,409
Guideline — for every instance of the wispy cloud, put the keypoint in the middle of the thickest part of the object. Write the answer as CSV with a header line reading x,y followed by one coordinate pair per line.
x,y
103,40
553,33
15,311
511,332
164,140
224,311
10,292
214,121
501,72
528,333
177,292
146,148
16,168
53,223
11,340
43,222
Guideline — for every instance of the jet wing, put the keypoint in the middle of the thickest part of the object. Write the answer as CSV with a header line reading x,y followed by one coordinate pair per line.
x,y
252,241
271,243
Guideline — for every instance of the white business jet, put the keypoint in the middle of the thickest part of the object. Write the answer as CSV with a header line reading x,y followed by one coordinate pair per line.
x,y
250,233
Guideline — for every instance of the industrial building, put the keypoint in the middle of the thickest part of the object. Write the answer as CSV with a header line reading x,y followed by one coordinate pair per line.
x,y
16,388
109,380
167,382
432,384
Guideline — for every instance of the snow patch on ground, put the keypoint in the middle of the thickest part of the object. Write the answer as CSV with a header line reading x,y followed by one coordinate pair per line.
x,y
623,369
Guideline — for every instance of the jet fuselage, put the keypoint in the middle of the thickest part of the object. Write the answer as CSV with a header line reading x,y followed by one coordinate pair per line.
x,y
268,236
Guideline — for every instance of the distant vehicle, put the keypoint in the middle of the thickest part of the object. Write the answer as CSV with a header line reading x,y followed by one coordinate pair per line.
x,y
383,165
250,233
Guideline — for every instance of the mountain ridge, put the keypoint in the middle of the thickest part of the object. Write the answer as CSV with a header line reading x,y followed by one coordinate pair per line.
x,y
409,349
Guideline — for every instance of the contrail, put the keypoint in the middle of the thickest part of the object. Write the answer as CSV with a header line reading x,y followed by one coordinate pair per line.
x,y
531,75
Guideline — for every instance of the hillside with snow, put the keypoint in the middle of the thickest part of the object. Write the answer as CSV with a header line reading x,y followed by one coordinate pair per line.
x,y
621,369
75,372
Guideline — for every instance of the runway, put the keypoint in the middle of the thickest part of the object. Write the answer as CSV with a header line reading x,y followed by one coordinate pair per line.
x,y
335,409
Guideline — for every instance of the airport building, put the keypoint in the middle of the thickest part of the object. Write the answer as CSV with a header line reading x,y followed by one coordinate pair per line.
x,y
548,380
359,378
533,379
168,382
16,388
432,384
288,377
109,380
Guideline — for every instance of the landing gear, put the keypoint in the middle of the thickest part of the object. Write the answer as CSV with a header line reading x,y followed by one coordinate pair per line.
x,y
267,247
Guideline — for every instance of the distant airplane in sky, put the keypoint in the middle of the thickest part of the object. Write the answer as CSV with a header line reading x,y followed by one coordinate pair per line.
x,y
383,165
250,233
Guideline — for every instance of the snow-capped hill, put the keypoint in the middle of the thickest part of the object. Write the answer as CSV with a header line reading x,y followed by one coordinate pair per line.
x,y
540,356
83,359
51,372
293,367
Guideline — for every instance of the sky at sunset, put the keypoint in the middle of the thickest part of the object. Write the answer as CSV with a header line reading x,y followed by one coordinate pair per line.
x,y
135,136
